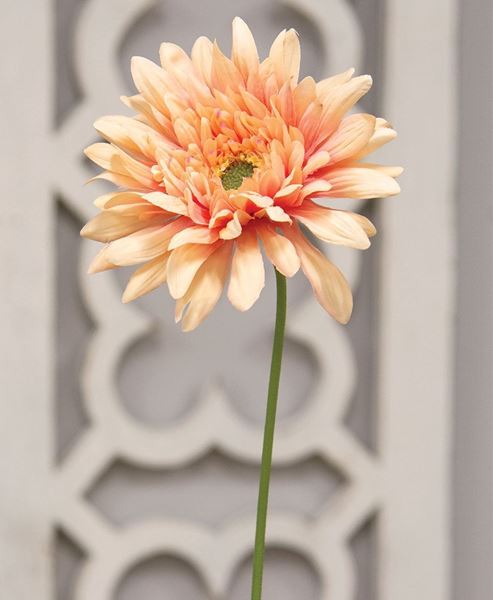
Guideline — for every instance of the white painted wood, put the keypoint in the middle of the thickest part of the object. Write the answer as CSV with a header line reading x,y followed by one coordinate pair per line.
x,y
26,307
417,301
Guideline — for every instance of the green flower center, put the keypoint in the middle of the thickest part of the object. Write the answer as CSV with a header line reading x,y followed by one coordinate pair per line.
x,y
233,175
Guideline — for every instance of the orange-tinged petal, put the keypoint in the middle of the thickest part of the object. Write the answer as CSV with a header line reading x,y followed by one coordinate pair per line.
x,y
274,213
326,86
234,227
315,162
117,198
113,224
100,262
382,134
225,74
202,58
247,272
116,162
244,49
169,203
196,234
151,82
183,265
285,55
352,135
146,278
338,103
180,66
205,290
133,137
329,285
143,245
361,182
279,250
333,226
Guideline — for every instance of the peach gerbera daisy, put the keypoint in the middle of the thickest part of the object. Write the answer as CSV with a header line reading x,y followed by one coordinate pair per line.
x,y
225,155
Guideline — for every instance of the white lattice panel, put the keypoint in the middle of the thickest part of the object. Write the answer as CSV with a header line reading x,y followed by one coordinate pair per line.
x,y
406,483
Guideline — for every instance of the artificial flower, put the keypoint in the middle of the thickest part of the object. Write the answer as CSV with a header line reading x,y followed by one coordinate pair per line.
x,y
228,155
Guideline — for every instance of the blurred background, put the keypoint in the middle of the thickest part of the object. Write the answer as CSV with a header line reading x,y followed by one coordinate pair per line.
x,y
129,451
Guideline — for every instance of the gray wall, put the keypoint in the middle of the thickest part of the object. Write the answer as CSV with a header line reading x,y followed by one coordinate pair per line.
x,y
473,448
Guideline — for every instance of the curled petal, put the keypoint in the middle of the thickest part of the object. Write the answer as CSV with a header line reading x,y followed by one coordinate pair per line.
x,y
274,213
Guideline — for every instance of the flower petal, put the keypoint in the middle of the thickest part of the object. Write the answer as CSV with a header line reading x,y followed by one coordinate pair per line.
x,y
144,245
382,134
333,226
352,135
361,182
112,224
247,272
329,285
183,265
196,234
279,250
146,278
285,55
244,49
169,203
205,290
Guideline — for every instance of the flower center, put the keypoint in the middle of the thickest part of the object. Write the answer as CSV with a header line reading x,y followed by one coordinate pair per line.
x,y
232,177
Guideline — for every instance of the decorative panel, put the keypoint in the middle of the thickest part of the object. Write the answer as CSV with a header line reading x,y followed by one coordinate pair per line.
x,y
137,462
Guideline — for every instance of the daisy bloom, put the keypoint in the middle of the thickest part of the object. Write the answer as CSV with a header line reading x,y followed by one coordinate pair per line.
x,y
228,155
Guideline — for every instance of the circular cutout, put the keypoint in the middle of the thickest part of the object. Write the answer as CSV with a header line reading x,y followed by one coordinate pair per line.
x,y
161,578
287,575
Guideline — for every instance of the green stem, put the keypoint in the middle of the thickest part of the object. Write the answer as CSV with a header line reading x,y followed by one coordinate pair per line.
x,y
270,421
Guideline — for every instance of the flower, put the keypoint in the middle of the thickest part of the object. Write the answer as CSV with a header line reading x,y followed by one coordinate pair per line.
x,y
225,154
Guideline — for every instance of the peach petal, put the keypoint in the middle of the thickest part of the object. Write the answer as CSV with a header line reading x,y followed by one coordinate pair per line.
x,y
285,56
352,135
244,49
100,262
274,213
315,162
329,285
279,250
333,226
361,182
172,204
205,290
247,272
113,224
146,278
183,265
196,234
144,245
